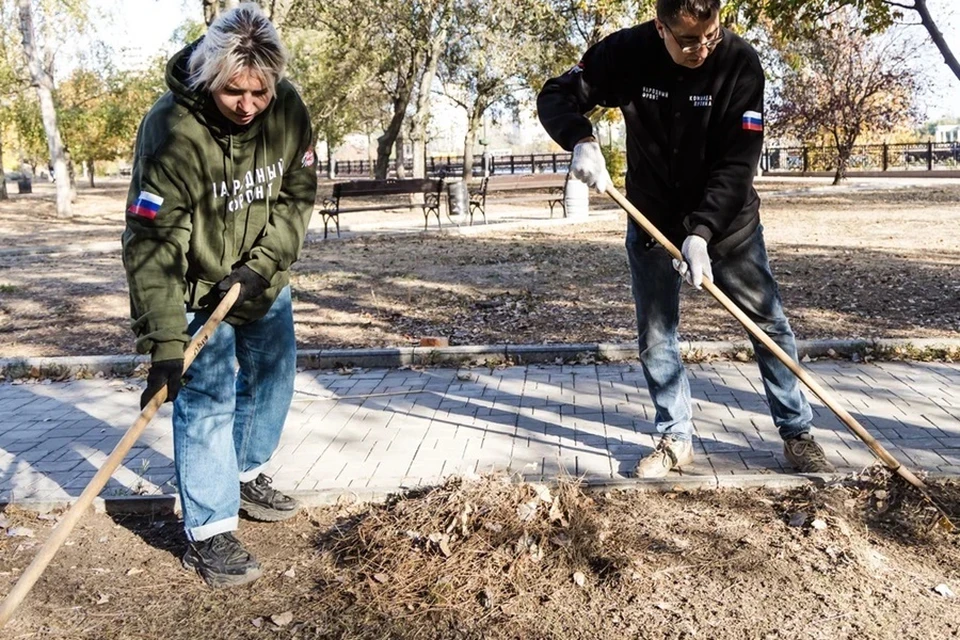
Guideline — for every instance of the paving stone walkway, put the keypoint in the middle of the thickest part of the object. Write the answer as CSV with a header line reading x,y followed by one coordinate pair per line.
x,y
389,428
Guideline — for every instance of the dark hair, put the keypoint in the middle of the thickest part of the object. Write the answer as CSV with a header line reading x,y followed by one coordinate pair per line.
x,y
669,10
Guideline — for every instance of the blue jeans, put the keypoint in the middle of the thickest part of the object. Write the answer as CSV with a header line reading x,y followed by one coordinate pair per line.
x,y
746,278
227,423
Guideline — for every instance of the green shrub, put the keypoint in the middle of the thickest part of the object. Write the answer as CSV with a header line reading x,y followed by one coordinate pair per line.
x,y
616,160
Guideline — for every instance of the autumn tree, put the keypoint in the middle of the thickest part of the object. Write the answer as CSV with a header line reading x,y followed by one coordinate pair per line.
x,y
13,78
39,61
570,27
101,108
335,83
795,18
841,84
494,43
398,41
27,122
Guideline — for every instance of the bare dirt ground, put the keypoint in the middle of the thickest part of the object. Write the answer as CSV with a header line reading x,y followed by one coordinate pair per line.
x,y
487,559
863,262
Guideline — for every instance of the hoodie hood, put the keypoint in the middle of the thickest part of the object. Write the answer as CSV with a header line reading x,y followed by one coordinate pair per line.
x,y
207,195
201,104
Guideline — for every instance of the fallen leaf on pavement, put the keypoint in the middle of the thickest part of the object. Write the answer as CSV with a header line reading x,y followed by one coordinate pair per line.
x,y
282,619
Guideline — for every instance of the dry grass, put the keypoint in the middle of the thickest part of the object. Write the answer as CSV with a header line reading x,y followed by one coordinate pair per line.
x,y
491,558
851,264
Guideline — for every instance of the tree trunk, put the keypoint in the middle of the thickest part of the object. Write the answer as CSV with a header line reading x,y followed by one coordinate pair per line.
x,y
3,177
213,8
71,174
470,140
421,117
843,157
42,80
386,141
401,158
921,8
276,10
331,169
91,171
419,144
371,154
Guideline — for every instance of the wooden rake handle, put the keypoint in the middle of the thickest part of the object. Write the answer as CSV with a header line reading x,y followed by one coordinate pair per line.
x,y
824,395
59,534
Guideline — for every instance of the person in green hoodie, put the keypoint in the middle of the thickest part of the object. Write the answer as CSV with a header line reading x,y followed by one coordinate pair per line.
x,y
222,190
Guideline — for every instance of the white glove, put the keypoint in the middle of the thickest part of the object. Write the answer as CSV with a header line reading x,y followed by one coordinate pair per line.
x,y
696,262
589,167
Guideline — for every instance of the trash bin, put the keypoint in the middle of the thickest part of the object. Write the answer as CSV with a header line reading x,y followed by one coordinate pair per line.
x,y
457,200
576,198
25,185
486,163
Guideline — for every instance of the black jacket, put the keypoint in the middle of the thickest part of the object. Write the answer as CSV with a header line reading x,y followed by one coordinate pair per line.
x,y
693,142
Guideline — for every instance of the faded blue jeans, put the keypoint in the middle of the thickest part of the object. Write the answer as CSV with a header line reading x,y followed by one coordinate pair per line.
x,y
746,278
227,423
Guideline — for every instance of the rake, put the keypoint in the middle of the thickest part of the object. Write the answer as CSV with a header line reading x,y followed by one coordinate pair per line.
x,y
59,534
825,396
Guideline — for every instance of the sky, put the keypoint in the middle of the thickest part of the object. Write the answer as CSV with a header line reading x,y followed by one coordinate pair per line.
x,y
139,29
946,102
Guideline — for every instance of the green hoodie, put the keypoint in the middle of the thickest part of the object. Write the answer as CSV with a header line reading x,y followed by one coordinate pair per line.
x,y
206,196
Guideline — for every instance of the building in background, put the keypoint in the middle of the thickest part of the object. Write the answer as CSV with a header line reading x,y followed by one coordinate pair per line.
x,y
947,133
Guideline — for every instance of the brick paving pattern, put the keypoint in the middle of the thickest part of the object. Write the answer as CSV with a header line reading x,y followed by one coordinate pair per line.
x,y
392,428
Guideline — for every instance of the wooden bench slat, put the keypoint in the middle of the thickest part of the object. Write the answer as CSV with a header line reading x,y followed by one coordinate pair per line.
x,y
551,186
380,188
430,188
391,207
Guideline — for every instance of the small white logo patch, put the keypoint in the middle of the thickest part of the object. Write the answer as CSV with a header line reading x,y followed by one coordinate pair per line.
x,y
649,93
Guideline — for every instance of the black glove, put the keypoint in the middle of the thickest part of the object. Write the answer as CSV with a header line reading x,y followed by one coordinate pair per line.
x,y
252,285
164,372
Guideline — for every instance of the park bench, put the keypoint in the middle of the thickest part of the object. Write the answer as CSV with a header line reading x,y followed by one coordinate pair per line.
x,y
538,187
381,195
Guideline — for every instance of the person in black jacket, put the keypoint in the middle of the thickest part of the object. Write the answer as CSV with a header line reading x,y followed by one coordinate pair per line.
x,y
691,94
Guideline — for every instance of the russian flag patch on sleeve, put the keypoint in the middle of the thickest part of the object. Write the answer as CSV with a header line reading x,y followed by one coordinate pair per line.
x,y
752,121
146,205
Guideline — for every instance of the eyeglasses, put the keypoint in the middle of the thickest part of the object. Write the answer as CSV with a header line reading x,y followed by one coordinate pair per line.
x,y
687,46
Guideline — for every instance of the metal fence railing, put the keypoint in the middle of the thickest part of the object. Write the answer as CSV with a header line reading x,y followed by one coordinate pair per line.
x,y
905,156
453,165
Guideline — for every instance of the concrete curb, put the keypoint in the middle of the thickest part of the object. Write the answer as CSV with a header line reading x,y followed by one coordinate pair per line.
x,y
168,505
63,368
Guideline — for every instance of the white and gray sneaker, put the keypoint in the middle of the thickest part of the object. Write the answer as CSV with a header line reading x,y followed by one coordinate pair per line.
x,y
670,453
806,456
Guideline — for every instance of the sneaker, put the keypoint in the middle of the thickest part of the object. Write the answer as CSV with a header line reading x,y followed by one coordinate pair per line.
x,y
671,453
260,501
221,561
806,455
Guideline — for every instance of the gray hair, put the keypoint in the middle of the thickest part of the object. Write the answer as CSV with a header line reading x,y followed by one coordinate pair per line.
x,y
240,39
